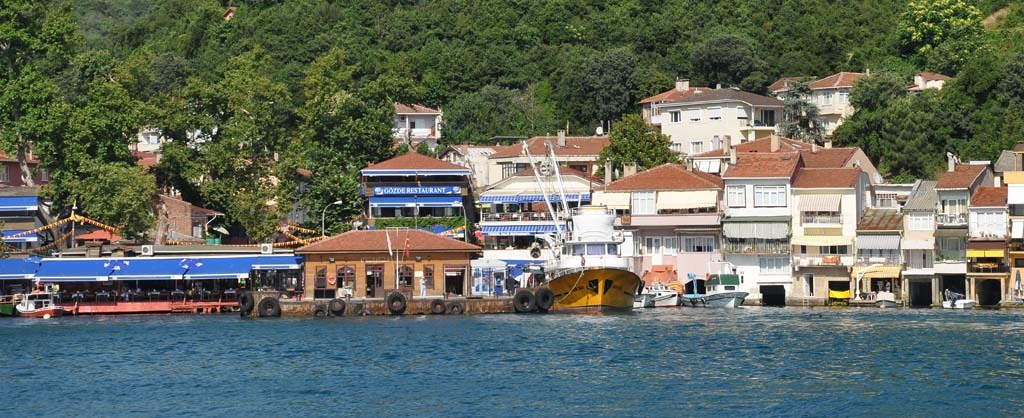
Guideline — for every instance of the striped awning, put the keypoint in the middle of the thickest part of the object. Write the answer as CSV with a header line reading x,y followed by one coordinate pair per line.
x,y
687,200
876,272
820,202
878,242
530,198
763,230
986,249
527,230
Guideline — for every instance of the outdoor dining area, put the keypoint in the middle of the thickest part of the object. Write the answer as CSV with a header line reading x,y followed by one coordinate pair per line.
x,y
150,292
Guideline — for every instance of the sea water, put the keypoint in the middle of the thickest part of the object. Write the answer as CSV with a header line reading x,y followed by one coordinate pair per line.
x,y
659,362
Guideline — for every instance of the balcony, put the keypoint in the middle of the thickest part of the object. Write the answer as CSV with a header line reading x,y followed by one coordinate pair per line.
x,y
516,217
886,260
673,220
951,256
988,267
951,219
755,246
821,220
655,120
829,260
414,133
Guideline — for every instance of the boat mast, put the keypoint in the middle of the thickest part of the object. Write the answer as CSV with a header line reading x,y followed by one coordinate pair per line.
x,y
544,192
558,179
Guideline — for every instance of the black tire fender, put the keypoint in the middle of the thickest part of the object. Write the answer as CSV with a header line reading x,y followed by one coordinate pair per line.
x,y
269,308
456,308
524,301
319,311
246,303
396,303
545,299
437,307
336,307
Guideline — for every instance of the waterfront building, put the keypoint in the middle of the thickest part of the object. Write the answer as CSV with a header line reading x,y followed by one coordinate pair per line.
x,y
879,260
701,121
514,216
417,191
918,246
415,124
670,219
578,152
375,263
756,225
1014,180
19,214
988,230
954,189
473,157
826,205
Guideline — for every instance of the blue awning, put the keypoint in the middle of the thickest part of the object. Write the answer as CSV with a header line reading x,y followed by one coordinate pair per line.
x,y
74,270
277,262
517,230
24,238
530,198
17,268
18,203
418,201
161,268
139,268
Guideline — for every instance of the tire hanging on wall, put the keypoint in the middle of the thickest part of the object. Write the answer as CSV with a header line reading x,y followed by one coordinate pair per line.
x,y
437,307
337,307
246,303
269,308
545,299
396,303
524,301
319,311
456,309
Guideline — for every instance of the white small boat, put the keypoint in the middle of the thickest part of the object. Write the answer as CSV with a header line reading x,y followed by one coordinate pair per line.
x,y
643,301
954,300
885,300
720,292
661,295
39,304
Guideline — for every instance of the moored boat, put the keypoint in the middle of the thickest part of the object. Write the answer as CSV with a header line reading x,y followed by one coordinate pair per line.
x,y
954,300
661,295
885,300
39,304
719,292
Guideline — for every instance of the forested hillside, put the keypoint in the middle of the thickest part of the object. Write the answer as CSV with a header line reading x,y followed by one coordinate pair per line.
x,y
309,83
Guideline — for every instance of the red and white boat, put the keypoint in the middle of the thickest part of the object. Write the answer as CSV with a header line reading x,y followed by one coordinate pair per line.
x,y
39,305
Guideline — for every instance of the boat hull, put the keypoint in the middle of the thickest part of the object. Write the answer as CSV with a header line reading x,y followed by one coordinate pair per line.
x,y
715,300
662,301
40,313
595,289
885,304
960,304
643,301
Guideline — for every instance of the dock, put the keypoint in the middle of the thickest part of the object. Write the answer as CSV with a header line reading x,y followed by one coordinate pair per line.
x,y
380,306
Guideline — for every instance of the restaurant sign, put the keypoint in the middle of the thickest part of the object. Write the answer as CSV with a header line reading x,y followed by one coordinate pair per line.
x,y
416,190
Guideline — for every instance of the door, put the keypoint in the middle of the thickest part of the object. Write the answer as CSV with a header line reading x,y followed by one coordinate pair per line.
x,y
454,280
375,281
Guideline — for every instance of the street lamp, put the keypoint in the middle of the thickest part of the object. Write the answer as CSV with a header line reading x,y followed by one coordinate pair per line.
x,y
324,213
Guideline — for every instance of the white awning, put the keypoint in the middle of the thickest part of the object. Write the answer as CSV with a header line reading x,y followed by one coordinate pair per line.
x,y
1015,194
818,240
878,242
918,244
820,202
763,230
613,200
687,200
1018,229
708,166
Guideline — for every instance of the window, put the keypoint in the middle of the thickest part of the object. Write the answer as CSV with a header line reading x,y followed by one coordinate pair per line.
x,y
921,222
661,245
737,196
643,203
834,249
346,277
716,142
769,196
677,147
696,147
826,99
428,277
885,200
695,115
44,175
5,173
698,244
320,279
952,244
675,116
844,97
954,206
715,113
989,224
774,264
741,112
768,117
405,276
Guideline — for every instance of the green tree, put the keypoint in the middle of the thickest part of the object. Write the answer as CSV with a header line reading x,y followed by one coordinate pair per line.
x,y
727,60
942,33
800,115
598,85
634,141
116,194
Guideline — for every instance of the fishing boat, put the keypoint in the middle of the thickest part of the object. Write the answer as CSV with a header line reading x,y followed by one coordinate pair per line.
x,y
719,292
589,274
954,300
661,295
39,304
643,301
885,300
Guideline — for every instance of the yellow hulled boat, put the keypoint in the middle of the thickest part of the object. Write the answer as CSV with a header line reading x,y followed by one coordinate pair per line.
x,y
595,289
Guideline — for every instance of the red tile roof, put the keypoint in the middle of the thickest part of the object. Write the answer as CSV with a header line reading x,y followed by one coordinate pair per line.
x,y
377,242
99,235
826,178
962,177
785,82
11,158
828,157
414,109
574,146
773,165
564,171
730,95
673,95
877,219
762,145
414,161
667,177
989,197
933,76
843,79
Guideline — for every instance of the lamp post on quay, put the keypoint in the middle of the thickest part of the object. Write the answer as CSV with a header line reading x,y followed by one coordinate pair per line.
x,y
324,213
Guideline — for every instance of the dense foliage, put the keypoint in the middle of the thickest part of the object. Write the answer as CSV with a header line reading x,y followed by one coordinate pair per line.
x,y
250,103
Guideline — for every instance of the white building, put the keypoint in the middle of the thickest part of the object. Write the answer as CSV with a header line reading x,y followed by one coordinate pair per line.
x,y
701,121
417,123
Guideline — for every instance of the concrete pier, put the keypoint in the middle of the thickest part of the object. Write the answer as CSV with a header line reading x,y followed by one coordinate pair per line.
x,y
378,306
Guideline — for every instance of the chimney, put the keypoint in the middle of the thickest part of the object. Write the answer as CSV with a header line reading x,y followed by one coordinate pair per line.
x,y
727,142
828,144
682,84
732,156
628,169
776,144
607,171
718,86
561,139
689,164
951,162
814,148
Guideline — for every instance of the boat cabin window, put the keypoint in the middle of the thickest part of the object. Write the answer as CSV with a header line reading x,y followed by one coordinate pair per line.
x,y
38,297
613,249
595,249
730,288
577,249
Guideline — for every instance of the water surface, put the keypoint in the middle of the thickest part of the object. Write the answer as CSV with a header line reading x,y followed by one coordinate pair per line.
x,y
663,362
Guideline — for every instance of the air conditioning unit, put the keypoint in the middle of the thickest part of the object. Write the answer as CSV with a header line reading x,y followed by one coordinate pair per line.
x,y
147,250
266,248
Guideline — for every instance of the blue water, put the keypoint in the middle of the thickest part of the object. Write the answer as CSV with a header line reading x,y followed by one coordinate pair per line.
x,y
665,362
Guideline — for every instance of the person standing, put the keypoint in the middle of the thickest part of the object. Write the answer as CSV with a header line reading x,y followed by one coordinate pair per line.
x,y
423,286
